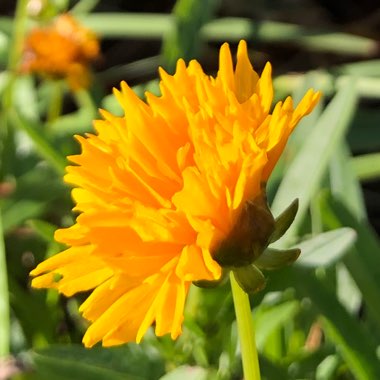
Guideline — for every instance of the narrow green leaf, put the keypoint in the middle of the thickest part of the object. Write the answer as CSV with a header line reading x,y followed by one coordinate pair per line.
x,y
129,362
84,6
327,369
40,329
344,183
66,126
363,262
347,290
318,80
284,221
353,341
184,42
43,228
41,144
186,373
6,24
368,68
269,319
62,368
25,93
326,248
31,196
366,166
146,25
277,258
366,86
20,211
234,29
136,25
4,48
4,298
132,71
307,169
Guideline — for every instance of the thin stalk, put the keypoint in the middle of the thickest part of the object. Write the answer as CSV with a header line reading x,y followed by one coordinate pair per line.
x,y
15,51
4,299
316,218
19,27
246,331
85,102
56,100
42,145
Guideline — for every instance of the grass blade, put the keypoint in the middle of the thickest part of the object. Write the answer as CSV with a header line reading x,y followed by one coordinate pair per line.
x,y
309,166
367,166
4,298
363,262
41,144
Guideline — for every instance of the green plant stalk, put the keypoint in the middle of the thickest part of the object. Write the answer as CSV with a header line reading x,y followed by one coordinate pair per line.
x,y
316,219
183,41
84,6
85,102
4,299
246,331
19,27
56,100
42,145
21,15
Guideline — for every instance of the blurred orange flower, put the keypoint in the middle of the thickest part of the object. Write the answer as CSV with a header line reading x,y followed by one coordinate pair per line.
x,y
159,189
63,49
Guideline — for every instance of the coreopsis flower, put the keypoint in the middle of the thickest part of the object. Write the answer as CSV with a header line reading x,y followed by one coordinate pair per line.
x,y
63,49
162,189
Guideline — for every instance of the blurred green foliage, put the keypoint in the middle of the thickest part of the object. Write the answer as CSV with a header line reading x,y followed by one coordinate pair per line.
x,y
318,319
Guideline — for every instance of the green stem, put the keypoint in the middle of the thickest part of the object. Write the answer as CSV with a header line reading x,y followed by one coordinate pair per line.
x,y
316,218
4,299
41,143
56,100
85,102
246,331
17,45
21,15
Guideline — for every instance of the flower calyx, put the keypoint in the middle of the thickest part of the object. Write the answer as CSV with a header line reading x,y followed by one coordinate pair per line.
x,y
246,251
249,236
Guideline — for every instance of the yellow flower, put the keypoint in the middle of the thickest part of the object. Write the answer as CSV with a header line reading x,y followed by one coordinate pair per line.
x,y
63,49
159,189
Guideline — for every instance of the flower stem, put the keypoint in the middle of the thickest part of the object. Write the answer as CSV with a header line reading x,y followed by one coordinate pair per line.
x,y
15,49
246,331
4,299
56,99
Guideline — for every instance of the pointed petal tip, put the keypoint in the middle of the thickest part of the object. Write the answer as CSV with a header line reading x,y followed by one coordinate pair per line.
x,y
225,46
242,50
267,69
317,96
87,341
103,113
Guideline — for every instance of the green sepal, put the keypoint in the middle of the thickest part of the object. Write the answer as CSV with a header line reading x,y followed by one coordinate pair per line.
x,y
284,221
211,284
277,258
250,278
249,237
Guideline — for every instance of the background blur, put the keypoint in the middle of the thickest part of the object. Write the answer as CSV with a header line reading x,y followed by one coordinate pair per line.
x,y
319,319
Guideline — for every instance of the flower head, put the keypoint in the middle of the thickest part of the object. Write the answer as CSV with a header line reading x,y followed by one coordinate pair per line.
x,y
161,188
63,49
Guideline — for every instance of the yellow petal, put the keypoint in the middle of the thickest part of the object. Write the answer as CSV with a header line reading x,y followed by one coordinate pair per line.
x,y
245,77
